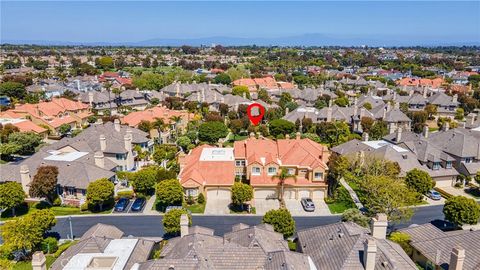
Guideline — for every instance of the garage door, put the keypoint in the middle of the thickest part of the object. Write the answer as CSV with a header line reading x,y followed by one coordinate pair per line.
x,y
289,193
445,182
218,193
318,194
303,193
265,194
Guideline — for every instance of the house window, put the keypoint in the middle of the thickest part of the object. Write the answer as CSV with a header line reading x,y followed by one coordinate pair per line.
x,y
318,175
240,163
448,165
70,191
119,168
291,171
84,192
193,192
255,171
272,170
120,156
436,165
468,160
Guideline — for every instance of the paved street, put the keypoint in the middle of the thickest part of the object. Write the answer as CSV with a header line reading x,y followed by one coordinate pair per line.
x,y
145,225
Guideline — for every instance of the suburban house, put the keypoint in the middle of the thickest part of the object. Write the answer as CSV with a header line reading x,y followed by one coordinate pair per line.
x,y
105,101
55,113
178,89
173,120
346,245
23,124
115,78
105,247
434,83
244,248
212,170
97,152
267,83
434,249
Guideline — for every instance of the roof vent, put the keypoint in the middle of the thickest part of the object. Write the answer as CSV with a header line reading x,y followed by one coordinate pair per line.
x,y
250,235
171,267
385,264
340,235
404,156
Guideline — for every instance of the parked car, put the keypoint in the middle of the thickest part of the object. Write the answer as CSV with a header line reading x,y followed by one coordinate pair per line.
x,y
121,205
308,204
434,195
138,204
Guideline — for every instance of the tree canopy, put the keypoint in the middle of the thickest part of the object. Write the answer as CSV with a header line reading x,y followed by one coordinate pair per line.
x,y
241,193
212,131
44,183
171,221
11,195
100,193
419,180
281,220
169,192
281,127
461,210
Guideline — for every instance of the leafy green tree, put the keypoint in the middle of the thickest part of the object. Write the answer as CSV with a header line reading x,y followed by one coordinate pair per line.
x,y
459,114
164,152
11,196
222,78
27,232
241,193
184,142
144,180
281,127
27,141
212,131
285,98
9,149
282,176
388,195
236,73
477,177
354,215
367,123
342,101
64,129
419,180
6,130
334,133
367,105
403,239
241,90
145,126
461,210
104,62
171,221
378,130
264,96
281,220
100,193
13,90
44,183
169,192
49,245
92,119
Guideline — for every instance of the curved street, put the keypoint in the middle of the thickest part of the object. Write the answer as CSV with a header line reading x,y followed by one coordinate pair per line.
x,y
151,225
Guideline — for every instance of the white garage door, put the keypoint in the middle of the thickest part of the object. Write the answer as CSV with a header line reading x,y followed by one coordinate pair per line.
x,y
303,193
289,193
318,194
445,182
265,194
218,193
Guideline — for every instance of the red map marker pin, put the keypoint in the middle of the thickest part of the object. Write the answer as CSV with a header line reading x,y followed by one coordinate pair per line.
x,y
255,113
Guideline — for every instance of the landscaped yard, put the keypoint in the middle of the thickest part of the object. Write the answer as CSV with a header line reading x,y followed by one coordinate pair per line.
x,y
244,210
198,208
27,265
340,202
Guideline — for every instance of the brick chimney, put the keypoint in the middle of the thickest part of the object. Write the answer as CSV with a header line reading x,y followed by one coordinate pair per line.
x,y
99,159
103,142
128,142
399,134
116,124
90,98
183,225
455,98
425,131
39,262
297,135
25,178
379,225
457,257
365,136
446,126
369,253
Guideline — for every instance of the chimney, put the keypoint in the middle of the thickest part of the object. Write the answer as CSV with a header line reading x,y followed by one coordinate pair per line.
x,y
183,225
396,106
369,254
244,95
399,134
297,136
355,110
329,114
116,124
252,135
457,257
411,93
90,98
25,177
394,95
128,142
472,119
446,126
425,92
389,106
455,98
99,159
385,110
425,132
103,142
365,137
391,128
287,110
177,89
39,262
287,136
379,225
203,95
362,112
330,103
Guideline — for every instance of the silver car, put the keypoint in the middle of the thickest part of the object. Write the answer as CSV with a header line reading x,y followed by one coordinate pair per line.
x,y
308,204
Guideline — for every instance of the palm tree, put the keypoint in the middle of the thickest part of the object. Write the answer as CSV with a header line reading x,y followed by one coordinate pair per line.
x,y
282,176
176,120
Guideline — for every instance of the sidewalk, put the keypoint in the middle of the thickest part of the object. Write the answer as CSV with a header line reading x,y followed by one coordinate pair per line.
x,y
148,210
352,193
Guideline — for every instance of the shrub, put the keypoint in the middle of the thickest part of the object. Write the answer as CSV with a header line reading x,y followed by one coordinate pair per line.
x,y
170,192
171,221
281,220
63,247
201,198
190,200
461,210
403,240
125,194
49,245
354,215
57,201
84,206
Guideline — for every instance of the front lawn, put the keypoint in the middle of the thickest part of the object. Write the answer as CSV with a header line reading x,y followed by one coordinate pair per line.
x,y
339,207
197,208
26,208
340,202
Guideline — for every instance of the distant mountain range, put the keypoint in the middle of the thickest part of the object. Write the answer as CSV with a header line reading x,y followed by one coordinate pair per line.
x,y
298,40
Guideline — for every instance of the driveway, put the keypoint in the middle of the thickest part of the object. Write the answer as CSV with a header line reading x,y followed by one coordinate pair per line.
x,y
435,202
296,209
264,205
217,206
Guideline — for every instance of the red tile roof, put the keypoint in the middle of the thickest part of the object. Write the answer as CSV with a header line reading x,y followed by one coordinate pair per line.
x,y
134,118
29,126
435,83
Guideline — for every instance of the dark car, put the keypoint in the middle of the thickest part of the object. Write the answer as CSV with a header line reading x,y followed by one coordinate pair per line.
x,y
138,204
121,205
308,204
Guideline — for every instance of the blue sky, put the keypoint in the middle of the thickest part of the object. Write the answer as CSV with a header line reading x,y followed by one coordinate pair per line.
x,y
124,21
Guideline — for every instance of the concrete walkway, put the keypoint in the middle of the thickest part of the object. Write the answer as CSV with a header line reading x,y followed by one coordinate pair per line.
x,y
148,210
352,193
